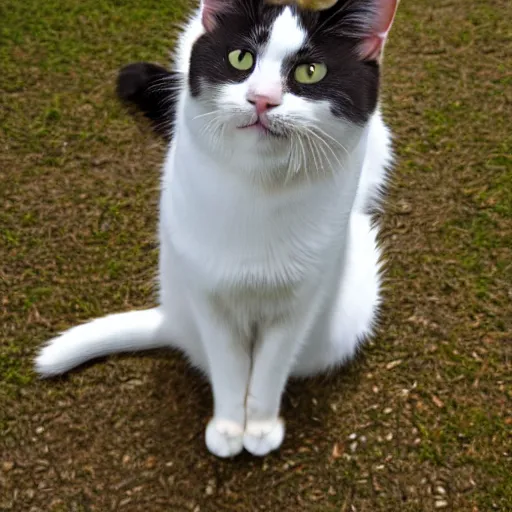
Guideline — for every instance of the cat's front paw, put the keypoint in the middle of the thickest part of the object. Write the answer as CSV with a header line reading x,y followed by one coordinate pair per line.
x,y
224,438
262,437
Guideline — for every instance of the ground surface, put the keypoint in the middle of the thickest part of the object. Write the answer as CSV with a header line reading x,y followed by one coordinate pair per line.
x,y
421,423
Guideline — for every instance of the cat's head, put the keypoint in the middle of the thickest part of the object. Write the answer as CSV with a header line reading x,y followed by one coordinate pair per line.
x,y
281,81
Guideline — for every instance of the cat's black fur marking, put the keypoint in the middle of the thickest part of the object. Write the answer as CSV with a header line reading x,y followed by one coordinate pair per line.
x,y
351,85
246,27
150,89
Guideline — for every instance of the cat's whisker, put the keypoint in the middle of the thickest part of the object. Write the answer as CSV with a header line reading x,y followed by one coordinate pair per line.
x,y
322,157
326,161
169,101
323,146
162,84
209,127
334,154
313,149
301,157
290,160
299,163
330,137
323,143
303,150
207,114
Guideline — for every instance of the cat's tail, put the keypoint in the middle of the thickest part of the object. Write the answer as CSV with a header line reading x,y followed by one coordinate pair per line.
x,y
124,332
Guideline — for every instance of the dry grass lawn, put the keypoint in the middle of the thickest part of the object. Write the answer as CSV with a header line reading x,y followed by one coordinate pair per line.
x,y
422,422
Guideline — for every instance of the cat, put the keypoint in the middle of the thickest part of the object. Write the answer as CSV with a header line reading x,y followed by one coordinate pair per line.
x,y
269,265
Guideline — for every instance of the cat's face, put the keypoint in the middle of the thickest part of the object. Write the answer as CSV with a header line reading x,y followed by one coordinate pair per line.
x,y
273,80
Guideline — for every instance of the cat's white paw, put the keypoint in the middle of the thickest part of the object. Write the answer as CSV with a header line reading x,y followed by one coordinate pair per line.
x,y
224,438
262,437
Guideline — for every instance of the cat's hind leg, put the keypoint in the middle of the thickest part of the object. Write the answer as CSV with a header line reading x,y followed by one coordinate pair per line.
x,y
351,319
123,332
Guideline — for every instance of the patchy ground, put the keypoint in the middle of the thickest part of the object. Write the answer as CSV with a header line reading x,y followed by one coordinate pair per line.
x,y
422,422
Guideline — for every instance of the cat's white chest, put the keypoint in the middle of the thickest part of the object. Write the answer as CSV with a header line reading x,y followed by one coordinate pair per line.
x,y
243,241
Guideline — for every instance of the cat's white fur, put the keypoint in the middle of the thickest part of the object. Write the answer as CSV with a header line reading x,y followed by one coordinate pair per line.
x,y
268,267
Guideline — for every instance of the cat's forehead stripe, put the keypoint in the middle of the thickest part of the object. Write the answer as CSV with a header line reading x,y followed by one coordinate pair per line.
x,y
286,37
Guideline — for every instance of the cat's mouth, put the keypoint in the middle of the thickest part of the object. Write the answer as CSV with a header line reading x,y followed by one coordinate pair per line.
x,y
261,126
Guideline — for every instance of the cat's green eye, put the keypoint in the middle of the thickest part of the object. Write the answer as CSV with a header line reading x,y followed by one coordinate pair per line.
x,y
310,73
241,59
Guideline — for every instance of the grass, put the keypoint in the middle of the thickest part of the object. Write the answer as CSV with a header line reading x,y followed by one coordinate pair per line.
x,y
423,418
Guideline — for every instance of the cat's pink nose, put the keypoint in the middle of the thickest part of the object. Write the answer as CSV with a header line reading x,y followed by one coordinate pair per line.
x,y
264,102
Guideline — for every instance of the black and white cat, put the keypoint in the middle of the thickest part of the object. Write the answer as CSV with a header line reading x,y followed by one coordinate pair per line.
x,y
269,265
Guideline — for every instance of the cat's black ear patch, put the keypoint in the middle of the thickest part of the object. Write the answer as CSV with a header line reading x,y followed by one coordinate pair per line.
x,y
151,90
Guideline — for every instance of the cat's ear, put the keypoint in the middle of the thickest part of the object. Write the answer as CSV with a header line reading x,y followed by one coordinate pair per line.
x,y
372,45
210,12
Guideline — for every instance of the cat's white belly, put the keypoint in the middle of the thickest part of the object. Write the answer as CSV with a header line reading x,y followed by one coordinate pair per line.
x,y
246,285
